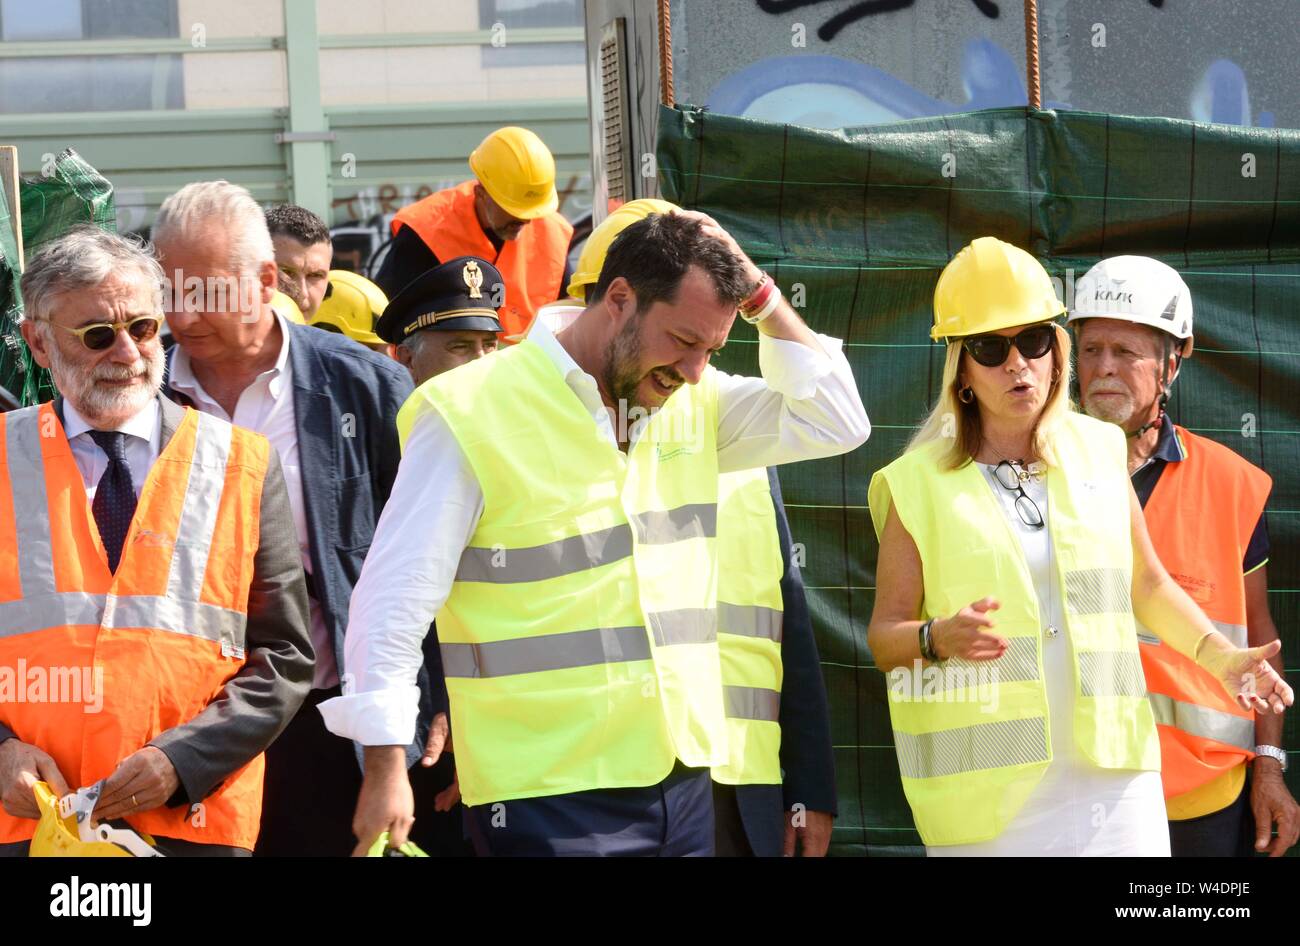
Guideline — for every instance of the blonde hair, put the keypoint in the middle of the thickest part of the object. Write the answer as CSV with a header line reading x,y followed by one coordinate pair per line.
x,y
959,423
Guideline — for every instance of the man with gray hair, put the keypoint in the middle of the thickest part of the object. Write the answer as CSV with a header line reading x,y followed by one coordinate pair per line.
x,y
114,501
329,407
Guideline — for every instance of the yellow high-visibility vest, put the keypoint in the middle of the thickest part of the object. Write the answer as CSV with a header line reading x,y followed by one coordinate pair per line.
x,y
579,640
973,737
749,628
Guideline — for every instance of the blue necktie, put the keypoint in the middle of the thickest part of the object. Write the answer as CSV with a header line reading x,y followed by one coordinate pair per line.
x,y
114,503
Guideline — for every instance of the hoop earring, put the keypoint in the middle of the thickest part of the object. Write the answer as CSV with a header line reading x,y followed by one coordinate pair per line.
x,y
966,396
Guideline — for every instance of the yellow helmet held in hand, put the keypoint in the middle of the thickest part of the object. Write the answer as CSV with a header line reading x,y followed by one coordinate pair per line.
x,y
597,245
287,307
351,305
991,285
518,172
59,833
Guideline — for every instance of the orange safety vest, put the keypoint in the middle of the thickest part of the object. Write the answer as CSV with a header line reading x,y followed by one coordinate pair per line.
x,y
532,265
158,639
1200,517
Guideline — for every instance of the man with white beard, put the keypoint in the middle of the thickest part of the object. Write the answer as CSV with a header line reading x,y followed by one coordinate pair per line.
x,y
1204,507
113,500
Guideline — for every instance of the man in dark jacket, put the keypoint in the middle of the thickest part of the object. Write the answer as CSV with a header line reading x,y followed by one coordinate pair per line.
x,y
328,406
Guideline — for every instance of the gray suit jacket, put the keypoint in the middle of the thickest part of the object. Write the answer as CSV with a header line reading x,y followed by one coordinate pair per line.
x,y
258,702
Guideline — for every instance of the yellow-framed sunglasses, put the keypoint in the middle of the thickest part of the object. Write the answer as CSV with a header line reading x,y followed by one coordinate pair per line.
x,y
101,335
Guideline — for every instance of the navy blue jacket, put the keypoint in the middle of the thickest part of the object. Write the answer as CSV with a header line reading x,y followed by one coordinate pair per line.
x,y
346,399
807,761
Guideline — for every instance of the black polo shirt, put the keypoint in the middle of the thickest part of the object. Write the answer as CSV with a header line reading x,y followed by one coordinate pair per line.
x,y
1170,450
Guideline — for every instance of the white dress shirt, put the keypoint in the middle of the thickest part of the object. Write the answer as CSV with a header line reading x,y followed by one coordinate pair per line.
x,y
266,406
143,443
805,406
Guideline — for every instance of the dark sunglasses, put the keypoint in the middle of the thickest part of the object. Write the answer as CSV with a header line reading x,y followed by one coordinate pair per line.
x,y
992,350
101,335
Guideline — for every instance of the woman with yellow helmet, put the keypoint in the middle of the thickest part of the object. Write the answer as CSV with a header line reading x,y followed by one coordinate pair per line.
x,y
1014,571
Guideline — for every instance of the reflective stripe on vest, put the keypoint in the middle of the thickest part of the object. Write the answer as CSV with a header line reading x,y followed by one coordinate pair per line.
x,y
1201,516
972,739
26,466
1235,633
1018,664
579,639
43,607
1204,722
750,620
602,645
971,748
1097,591
588,550
749,628
531,265
754,703
159,612
1111,673
162,634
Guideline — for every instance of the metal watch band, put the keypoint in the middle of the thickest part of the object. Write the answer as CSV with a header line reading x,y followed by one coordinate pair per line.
x,y
1273,752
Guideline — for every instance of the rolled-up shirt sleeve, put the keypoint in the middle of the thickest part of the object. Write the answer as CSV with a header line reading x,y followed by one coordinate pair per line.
x,y
434,508
804,407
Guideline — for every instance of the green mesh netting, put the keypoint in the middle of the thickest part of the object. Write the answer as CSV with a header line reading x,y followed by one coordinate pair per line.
x,y
72,193
855,225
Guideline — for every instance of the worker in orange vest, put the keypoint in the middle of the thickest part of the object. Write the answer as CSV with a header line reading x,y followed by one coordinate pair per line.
x,y
506,216
153,607
1204,508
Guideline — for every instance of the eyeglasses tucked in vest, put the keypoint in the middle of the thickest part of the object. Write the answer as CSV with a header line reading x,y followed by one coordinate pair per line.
x,y
1010,476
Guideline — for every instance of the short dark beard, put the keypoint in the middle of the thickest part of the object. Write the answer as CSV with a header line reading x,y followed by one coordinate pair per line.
x,y
622,369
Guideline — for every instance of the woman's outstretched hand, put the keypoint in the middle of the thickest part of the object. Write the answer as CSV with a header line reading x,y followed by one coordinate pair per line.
x,y
1246,673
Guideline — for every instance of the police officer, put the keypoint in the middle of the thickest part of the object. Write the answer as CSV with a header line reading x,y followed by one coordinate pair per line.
x,y
445,317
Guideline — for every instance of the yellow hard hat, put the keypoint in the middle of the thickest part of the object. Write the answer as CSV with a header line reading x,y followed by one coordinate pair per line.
x,y
518,171
597,245
287,307
352,305
991,285
58,836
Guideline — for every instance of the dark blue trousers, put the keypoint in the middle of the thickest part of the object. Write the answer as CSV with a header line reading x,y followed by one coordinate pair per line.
x,y
1226,833
749,820
671,819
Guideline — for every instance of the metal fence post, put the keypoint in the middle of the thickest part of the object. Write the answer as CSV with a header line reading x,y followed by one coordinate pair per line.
x,y
308,138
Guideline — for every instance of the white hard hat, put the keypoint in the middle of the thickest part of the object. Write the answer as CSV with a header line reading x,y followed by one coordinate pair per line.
x,y
1134,289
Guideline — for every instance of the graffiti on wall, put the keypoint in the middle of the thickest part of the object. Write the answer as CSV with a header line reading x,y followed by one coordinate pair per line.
x,y
824,90
860,11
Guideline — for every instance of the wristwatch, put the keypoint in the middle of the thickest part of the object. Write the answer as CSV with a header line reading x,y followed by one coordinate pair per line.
x,y
1273,752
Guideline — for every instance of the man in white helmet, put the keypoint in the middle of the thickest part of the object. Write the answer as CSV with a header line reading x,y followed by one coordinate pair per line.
x,y
1204,507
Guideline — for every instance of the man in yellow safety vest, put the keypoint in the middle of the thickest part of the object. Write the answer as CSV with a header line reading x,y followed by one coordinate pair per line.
x,y
569,553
